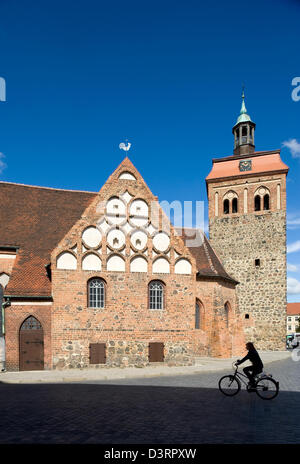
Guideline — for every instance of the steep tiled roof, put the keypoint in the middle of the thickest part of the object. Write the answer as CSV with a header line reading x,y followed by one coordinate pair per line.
x,y
35,219
208,264
261,162
293,309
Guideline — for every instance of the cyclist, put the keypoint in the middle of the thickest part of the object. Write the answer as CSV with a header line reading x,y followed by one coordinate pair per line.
x,y
257,365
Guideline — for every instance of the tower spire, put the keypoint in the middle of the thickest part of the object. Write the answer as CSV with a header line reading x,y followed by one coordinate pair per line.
x,y
243,108
243,131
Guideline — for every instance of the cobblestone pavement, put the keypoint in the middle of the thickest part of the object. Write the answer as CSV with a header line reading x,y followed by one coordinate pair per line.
x,y
162,410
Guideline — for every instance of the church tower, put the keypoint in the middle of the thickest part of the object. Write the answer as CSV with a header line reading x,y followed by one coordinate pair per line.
x,y
247,229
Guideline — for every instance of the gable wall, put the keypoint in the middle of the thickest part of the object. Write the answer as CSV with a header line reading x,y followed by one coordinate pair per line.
x,y
125,324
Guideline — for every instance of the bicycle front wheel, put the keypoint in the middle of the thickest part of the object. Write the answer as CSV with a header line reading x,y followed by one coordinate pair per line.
x,y
267,388
229,385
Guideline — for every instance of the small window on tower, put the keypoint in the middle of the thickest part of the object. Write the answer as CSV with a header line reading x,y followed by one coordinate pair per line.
x,y
266,202
226,206
235,205
257,263
257,203
246,316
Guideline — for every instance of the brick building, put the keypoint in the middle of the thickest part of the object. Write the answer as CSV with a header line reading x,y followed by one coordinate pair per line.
x,y
94,279
292,317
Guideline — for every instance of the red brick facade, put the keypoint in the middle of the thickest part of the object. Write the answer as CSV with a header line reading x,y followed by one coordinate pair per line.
x,y
126,324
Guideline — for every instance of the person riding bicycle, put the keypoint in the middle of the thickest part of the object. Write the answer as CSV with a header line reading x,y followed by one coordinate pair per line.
x,y
257,365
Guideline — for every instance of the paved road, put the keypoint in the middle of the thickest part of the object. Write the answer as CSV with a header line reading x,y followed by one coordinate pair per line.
x,y
162,410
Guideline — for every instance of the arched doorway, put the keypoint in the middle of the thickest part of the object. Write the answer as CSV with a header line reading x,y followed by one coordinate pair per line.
x,y
31,345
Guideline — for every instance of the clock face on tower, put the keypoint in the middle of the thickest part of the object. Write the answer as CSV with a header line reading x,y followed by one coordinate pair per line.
x,y
245,165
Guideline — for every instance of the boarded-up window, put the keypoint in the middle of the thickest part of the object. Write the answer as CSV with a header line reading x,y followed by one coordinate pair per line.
x,y
156,352
97,353
197,317
226,310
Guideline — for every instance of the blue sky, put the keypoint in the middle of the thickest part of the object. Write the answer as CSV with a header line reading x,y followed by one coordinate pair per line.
x,y
82,76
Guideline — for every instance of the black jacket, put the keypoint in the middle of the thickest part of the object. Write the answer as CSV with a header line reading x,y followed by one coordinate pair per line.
x,y
253,356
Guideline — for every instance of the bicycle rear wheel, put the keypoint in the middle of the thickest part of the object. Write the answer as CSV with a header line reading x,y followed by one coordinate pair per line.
x,y
229,385
267,388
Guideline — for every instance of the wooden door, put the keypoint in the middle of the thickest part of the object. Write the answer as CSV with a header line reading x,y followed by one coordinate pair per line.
x,y
31,345
97,353
156,352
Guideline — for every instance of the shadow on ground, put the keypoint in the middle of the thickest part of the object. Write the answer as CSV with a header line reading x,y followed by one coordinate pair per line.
x,y
121,414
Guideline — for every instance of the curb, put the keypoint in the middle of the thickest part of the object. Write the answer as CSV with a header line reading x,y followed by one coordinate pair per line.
x,y
54,377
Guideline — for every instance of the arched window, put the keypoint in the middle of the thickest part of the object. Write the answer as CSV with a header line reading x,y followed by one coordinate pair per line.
x,y
4,278
31,323
1,298
226,310
267,201
226,206
262,199
197,316
156,295
257,203
230,202
96,293
235,205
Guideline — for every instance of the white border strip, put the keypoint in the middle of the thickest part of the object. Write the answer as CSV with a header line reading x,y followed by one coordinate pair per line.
x,y
31,303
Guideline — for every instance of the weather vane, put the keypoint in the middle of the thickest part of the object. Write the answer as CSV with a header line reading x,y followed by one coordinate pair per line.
x,y
125,147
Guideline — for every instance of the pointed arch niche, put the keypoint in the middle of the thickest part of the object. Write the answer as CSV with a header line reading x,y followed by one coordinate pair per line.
x,y
199,315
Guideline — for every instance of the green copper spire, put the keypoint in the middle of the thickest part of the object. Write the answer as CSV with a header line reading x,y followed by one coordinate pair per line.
x,y
243,117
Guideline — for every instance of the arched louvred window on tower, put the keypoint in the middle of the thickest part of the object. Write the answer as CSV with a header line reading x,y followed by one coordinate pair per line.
x,y
156,295
262,199
226,206
257,203
230,202
266,201
96,293
235,205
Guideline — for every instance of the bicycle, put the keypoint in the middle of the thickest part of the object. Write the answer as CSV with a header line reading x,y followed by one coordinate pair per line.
x,y
265,386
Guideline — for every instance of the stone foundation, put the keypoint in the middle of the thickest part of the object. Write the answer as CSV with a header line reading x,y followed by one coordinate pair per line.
x,y
119,353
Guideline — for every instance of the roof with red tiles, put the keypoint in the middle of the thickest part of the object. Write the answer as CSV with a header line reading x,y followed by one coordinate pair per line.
x,y
293,309
35,219
207,262
262,162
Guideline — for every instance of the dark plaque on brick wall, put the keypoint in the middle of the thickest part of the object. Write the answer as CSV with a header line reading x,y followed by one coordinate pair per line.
x,y
245,165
